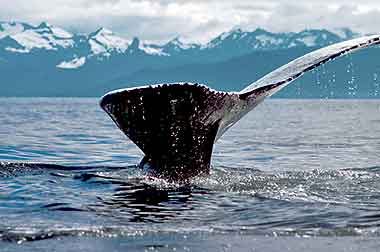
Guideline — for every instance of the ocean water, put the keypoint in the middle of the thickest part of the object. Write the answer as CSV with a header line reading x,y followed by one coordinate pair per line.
x,y
293,175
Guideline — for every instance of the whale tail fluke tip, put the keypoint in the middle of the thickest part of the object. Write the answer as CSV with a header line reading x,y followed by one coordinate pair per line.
x,y
176,125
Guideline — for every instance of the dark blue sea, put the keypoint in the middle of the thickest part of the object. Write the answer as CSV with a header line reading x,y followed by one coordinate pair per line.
x,y
293,175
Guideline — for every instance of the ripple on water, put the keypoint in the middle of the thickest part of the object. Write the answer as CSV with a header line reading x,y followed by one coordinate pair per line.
x,y
117,201
290,168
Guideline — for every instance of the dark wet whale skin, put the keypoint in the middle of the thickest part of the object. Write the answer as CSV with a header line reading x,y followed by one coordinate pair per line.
x,y
176,124
171,124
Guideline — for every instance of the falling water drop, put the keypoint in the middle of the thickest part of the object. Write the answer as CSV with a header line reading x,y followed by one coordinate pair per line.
x,y
376,85
351,84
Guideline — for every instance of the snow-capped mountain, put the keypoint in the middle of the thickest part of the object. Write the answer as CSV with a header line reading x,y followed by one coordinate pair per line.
x,y
148,49
74,49
104,41
28,37
239,42
16,37
177,46
61,63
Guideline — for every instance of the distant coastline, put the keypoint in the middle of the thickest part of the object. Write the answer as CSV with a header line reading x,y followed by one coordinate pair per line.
x,y
47,61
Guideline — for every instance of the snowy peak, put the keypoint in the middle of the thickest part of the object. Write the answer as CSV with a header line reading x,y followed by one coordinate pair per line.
x,y
27,37
234,34
313,38
71,51
104,41
10,28
139,46
255,39
60,33
47,30
135,44
177,45
44,25
231,35
225,37
102,32
261,39
345,33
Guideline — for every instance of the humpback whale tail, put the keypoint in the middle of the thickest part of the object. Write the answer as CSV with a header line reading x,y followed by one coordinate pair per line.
x,y
176,125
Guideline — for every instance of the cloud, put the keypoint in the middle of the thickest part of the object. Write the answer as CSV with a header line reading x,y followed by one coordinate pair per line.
x,y
160,20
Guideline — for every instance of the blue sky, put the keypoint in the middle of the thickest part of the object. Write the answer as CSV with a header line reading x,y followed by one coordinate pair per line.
x,y
194,20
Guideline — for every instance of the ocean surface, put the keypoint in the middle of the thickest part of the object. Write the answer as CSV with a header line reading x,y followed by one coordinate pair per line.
x,y
293,175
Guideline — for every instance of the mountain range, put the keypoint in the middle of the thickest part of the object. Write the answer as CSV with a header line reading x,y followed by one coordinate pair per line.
x,y
46,60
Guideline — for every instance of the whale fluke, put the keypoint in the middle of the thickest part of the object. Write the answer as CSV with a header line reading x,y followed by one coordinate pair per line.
x,y
176,125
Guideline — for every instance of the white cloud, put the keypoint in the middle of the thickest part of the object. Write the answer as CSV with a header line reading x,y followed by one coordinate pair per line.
x,y
160,20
